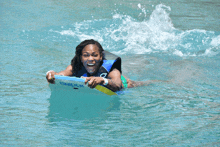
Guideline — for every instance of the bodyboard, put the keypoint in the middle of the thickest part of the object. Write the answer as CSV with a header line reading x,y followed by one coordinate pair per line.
x,y
76,86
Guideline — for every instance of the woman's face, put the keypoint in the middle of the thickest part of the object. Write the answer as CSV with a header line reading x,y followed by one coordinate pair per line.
x,y
91,58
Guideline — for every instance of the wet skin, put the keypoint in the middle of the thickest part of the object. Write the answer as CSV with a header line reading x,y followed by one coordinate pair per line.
x,y
91,58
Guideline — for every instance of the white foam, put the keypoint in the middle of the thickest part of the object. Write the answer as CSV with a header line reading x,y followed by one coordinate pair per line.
x,y
125,35
160,20
178,53
147,36
67,32
216,41
212,51
139,6
115,16
142,9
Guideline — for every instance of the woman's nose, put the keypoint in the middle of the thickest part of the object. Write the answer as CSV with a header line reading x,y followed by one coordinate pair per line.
x,y
90,58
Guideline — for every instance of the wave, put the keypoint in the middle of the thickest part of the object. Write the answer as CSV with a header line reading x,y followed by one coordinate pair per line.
x,y
125,35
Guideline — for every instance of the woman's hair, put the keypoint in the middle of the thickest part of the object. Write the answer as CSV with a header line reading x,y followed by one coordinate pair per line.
x,y
76,61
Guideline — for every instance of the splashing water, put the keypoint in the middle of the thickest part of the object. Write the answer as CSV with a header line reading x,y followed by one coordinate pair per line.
x,y
124,35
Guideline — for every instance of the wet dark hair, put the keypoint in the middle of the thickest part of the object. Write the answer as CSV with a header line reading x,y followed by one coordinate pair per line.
x,y
76,61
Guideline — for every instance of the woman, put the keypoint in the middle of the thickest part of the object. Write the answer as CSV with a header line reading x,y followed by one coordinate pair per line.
x,y
90,63
98,67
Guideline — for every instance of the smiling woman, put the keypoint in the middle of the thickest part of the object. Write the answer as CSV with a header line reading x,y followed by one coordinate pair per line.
x,y
98,67
89,62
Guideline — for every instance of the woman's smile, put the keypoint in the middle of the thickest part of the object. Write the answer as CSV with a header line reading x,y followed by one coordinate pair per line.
x,y
90,64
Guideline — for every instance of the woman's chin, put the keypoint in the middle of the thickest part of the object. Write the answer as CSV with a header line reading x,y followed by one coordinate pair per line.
x,y
91,71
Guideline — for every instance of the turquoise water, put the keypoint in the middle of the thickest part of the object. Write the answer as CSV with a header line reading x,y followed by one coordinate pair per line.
x,y
176,41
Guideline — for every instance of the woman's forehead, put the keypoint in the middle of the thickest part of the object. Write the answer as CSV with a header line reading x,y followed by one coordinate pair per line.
x,y
90,48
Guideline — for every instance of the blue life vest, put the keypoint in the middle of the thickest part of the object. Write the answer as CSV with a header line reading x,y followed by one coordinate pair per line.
x,y
110,62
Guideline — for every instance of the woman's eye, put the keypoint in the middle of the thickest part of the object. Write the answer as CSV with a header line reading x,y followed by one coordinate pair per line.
x,y
85,55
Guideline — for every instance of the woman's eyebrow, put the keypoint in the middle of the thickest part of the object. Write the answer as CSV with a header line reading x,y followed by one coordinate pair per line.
x,y
95,53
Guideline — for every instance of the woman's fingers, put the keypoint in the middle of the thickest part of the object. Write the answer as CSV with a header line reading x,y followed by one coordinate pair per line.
x,y
93,81
50,76
87,79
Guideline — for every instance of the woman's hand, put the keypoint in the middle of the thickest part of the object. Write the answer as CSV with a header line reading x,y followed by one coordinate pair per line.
x,y
50,76
94,81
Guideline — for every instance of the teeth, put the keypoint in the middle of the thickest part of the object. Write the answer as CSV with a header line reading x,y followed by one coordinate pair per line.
x,y
90,64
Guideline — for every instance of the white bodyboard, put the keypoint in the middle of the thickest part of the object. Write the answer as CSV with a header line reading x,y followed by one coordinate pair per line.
x,y
76,86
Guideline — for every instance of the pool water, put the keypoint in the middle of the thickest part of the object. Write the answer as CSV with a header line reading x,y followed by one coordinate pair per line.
x,y
177,43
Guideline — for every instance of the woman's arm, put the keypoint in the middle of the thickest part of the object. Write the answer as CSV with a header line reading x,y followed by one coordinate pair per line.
x,y
50,76
114,80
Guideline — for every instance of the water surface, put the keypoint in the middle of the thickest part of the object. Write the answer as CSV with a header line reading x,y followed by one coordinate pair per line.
x,y
170,41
